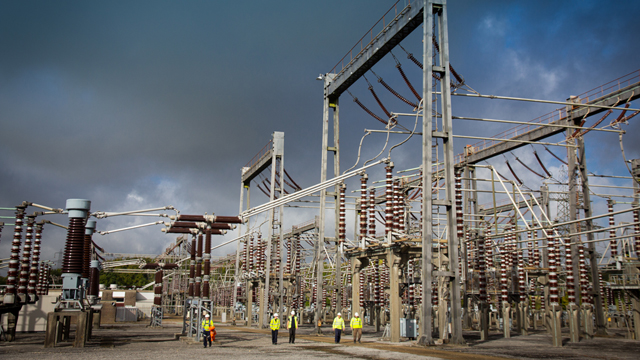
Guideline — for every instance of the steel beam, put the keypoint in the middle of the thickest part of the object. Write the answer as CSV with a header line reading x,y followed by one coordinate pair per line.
x,y
623,95
407,20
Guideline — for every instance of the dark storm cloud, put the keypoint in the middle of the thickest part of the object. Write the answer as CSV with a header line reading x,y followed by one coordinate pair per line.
x,y
144,104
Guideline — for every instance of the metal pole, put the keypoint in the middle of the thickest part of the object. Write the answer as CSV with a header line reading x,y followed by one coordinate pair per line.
x,y
426,336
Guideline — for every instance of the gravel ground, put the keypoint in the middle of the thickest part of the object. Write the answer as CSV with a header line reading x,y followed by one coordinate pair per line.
x,y
129,341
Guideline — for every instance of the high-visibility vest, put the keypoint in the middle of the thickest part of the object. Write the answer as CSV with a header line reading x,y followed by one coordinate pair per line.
x,y
338,323
275,324
356,323
292,318
208,325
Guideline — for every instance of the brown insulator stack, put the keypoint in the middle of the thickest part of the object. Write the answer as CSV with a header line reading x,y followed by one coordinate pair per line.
x,y
363,207
324,296
604,305
636,230
74,249
612,232
488,247
26,260
376,284
40,284
192,267
504,290
94,279
207,264
263,254
288,244
157,287
388,212
342,224
434,294
363,279
198,280
396,206
571,291
521,280
530,258
412,285
86,258
553,269
243,255
35,261
584,280
372,213
334,294
421,210
536,251
401,207
250,259
459,215
482,276
298,254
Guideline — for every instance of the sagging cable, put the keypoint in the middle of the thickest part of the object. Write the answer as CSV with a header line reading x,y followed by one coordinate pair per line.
x,y
541,164
528,168
406,80
355,99
555,156
384,109
513,173
386,86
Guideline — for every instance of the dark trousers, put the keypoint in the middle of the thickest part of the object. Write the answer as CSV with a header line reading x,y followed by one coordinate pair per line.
x,y
292,336
274,336
206,337
338,333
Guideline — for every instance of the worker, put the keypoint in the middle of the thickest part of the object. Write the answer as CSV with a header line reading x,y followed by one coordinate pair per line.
x,y
356,327
207,326
275,325
338,326
292,325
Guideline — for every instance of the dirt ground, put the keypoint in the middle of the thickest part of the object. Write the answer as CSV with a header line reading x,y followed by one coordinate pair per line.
x,y
135,340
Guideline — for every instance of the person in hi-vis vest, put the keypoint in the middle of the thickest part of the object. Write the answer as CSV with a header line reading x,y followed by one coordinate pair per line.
x,y
292,325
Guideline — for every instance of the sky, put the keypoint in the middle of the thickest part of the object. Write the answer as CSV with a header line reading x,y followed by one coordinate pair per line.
x,y
145,104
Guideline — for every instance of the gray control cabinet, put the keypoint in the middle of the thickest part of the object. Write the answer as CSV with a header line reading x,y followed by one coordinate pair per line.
x,y
408,328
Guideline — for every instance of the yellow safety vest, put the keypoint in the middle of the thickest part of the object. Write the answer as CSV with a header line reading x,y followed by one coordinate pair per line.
x,y
294,318
275,324
208,325
338,323
356,323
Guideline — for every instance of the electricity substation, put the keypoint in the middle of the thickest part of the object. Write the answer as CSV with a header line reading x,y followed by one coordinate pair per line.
x,y
459,244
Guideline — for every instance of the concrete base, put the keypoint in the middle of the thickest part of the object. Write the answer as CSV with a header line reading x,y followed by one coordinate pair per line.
x,y
574,323
59,324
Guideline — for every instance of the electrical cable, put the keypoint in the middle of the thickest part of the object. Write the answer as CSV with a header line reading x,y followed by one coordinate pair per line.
x,y
355,99
386,86
415,125
513,173
540,162
624,158
406,80
296,184
528,168
555,156
359,149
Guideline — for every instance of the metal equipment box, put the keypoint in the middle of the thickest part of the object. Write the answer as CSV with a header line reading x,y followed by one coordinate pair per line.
x,y
408,328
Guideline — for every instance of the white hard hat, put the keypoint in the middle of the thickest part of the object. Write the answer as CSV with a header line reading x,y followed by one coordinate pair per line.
x,y
356,314
275,315
339,314
207,315
293,312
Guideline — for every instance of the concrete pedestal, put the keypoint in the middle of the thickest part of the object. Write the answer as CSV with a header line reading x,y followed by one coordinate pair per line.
x,y
59,324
